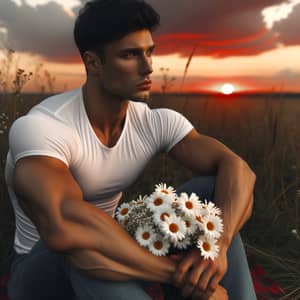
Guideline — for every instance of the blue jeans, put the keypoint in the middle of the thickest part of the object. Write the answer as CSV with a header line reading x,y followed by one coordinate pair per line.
x,y
44,274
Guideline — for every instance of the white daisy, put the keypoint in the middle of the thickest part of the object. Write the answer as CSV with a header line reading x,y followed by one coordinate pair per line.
x,y
208,247
162,188
190,224
199,222
213,226
144,235
202,211
159,246
161,214
158,200
141,199
212,208
174,228
188,205
122,212
183,244
125,223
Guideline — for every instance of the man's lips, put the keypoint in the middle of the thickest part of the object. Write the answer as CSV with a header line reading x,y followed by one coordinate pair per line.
x,y
145,83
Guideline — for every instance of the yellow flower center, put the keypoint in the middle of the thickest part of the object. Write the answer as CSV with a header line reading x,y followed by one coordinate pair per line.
x,y
189,205
173,227
124,211
158,245
206,246
188,224
199,219
165,192
146,235
126,222
158,201
210,226
163,215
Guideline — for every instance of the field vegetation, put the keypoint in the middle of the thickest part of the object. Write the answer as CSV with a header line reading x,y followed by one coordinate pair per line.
x,y
263,129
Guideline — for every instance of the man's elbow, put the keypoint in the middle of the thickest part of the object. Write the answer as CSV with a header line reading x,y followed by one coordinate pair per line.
x,y
250,173
245,169
249,208
251,177
57,240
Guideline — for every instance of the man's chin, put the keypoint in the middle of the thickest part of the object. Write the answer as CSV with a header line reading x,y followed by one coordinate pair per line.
x,y
140,97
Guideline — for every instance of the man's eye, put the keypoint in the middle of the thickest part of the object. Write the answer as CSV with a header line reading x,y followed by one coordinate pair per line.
x,y
128,54
150,52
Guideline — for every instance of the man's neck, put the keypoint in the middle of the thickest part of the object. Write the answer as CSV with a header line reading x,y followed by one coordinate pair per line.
x,y
104,112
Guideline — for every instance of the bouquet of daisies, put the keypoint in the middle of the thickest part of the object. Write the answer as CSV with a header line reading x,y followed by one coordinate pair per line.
x,y
164,222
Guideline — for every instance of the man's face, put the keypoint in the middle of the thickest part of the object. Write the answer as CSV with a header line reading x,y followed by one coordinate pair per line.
x,y
126,70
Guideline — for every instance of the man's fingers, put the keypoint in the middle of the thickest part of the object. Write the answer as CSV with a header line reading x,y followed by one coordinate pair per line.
x,y
216,278
191,282
187,290
182,269
219,294
214,282
206,276
200,295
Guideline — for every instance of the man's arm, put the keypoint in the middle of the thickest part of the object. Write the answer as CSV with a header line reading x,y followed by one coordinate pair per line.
x,y
88,236
234,179
233,195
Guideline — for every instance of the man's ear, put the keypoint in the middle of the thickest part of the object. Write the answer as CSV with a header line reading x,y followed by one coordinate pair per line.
x,y
92,63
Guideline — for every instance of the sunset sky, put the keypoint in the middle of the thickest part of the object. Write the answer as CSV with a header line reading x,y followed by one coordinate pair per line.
x,y
254,45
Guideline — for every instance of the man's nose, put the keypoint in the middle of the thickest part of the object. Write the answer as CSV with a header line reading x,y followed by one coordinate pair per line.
x,y
146,65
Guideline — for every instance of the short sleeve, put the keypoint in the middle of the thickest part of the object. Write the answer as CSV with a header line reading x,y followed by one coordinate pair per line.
x,y
35,135
170,127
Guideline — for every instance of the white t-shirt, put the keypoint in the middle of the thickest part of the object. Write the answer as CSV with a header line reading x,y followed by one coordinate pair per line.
x,y
59,127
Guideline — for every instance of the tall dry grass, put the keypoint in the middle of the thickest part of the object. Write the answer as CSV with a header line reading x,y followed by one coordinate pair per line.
x,y
14,103
262,130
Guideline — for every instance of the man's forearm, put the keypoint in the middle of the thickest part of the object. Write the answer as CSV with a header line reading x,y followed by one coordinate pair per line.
x,y
234,194
95,265
93,240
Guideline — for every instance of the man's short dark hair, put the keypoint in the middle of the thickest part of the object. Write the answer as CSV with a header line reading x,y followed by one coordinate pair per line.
x,y
102,21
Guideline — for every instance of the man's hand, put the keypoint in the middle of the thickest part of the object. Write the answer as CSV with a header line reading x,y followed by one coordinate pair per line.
x,y
198,276
219,294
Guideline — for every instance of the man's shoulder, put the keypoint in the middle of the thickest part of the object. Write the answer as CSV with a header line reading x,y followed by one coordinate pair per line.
x,y
152,118
55,105
49,115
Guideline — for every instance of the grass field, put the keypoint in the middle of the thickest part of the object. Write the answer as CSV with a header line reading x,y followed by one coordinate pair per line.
x,y
262,129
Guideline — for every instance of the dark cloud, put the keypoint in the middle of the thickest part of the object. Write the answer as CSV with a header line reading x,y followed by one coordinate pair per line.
x,y
45,30
218,28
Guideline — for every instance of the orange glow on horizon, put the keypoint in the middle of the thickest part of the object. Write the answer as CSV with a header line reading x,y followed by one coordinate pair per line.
x,y
205,75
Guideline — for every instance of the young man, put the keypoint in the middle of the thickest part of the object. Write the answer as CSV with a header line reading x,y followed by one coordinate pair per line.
x,y
72,155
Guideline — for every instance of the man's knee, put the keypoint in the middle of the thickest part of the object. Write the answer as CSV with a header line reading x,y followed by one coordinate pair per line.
x,y
203,186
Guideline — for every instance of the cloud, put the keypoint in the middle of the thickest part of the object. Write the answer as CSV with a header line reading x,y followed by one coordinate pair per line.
x,y
288,74
288,29
218,28
44,30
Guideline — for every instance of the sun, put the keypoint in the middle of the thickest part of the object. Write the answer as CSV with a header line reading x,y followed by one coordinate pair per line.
x,y
227,89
